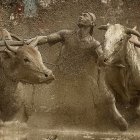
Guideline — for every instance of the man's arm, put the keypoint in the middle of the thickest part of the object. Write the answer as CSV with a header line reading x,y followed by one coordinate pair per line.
x,y
135,41
97,47
50,39
99,50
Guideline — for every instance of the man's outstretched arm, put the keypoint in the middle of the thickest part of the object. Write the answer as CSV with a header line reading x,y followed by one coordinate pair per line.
x,y
99,51
50,39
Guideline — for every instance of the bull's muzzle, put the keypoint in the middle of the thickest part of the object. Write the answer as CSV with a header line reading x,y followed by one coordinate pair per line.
x,y
49,75
105,60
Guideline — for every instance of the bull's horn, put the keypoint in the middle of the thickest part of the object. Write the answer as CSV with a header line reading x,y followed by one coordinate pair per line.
x,y
16,37
104,27
34,42
10,48
135,27
136,42
131,31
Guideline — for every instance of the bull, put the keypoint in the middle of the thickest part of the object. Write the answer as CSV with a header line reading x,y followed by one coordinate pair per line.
x,y
19,64
122,70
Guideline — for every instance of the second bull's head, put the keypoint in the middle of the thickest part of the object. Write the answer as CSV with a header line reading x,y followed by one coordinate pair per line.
x,y
116,41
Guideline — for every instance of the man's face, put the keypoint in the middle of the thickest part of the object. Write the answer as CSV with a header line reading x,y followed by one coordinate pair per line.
x,y
85,19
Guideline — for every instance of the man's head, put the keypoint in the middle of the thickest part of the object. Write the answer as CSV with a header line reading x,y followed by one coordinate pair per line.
x,y
87,19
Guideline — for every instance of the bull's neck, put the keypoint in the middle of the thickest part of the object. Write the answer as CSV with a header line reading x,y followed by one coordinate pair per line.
x,y
132,58
124,54
7,84
130,53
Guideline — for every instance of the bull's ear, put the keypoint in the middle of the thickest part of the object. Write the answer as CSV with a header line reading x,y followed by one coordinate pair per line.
x,y
104,27
135,27
6,54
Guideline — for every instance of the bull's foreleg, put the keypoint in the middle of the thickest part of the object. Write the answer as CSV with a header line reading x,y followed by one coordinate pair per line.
x,y
113,85
135,102
20,115
117,117
107,79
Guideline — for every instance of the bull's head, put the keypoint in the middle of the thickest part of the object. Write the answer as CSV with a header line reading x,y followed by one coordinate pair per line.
x,y
116,40
25,64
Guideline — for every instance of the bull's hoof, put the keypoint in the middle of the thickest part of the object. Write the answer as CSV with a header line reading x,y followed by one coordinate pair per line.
x,y
122,124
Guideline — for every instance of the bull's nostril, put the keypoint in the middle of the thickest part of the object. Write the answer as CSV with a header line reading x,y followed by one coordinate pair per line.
x,y
46,75
53,76
105,59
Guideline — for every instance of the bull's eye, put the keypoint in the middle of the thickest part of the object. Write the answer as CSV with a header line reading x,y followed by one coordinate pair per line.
x,y
26,60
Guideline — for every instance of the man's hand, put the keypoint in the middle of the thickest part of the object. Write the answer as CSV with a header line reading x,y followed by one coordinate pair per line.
x,y
135,41
40,39
29,40
101,60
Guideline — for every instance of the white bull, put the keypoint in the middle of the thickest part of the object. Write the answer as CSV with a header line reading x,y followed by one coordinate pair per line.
x,y
122,72
19,64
